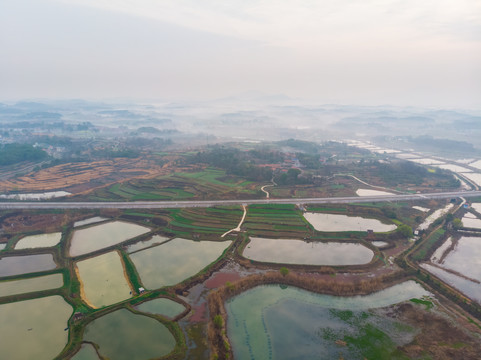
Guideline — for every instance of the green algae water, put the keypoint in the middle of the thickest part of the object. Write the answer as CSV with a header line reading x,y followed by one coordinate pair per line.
x,y
293,251
162,306
175,261
36,328
104,235
14,287
270,322
124,335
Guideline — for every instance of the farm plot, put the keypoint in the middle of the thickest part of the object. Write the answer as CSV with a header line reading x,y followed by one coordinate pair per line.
x,y
208,183
70,174
275,220
185,222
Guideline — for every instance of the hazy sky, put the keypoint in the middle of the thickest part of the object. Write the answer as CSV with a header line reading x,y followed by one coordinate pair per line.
x,y
369,52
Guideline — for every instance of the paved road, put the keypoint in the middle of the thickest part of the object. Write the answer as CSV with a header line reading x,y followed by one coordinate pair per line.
x,y
209,203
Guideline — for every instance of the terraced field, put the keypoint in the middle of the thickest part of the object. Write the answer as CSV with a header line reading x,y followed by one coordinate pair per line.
x,y
71,174
276,220
205,184
215,221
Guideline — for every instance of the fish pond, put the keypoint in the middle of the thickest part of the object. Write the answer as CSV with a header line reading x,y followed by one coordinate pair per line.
x,y
47,282
162,306
273,322
38,241
175,261
335,222
36,328
103,280
370,192
140,245
124,335
17,265
470,288
86,352
464,259
89,221
101,236
292,251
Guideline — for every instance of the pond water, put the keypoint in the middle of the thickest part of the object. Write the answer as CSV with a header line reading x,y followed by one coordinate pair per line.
x,y
270,322
476,164
103,280
155,240
474,177
176,260
162,306
467,287
369,192
436,214
292,251
86,352
477,207
470,222
3,246
124,335
454,168
466,257
17,265
420,208
89,221
336,222
34,329
436,257
37,196
379,243
101,236
426,161
38,241
22,286
407,156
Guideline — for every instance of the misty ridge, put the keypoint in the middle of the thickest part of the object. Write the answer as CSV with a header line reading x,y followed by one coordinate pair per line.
x,y
247,117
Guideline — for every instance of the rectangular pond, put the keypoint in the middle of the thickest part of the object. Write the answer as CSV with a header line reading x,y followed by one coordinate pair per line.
x,y
370,192
101,236
466,257
17,265
162,306
155,240
273,322
38,241
89,221
34,329
103,280
294,251
470,222
47,282
335,222
435,215
463,260
175,261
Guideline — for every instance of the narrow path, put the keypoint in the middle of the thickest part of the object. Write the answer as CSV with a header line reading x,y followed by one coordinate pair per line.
x,y
267,192
240,223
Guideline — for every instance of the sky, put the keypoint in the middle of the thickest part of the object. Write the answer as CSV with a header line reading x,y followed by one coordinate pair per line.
x,y
370,52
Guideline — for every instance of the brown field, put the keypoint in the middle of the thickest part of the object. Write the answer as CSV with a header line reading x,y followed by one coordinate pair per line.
x,y
81,176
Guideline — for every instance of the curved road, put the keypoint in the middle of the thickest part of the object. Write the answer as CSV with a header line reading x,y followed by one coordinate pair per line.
x,y
209,203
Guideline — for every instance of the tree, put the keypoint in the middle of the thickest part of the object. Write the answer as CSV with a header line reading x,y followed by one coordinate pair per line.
x,y
457,224
284,271
405,230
